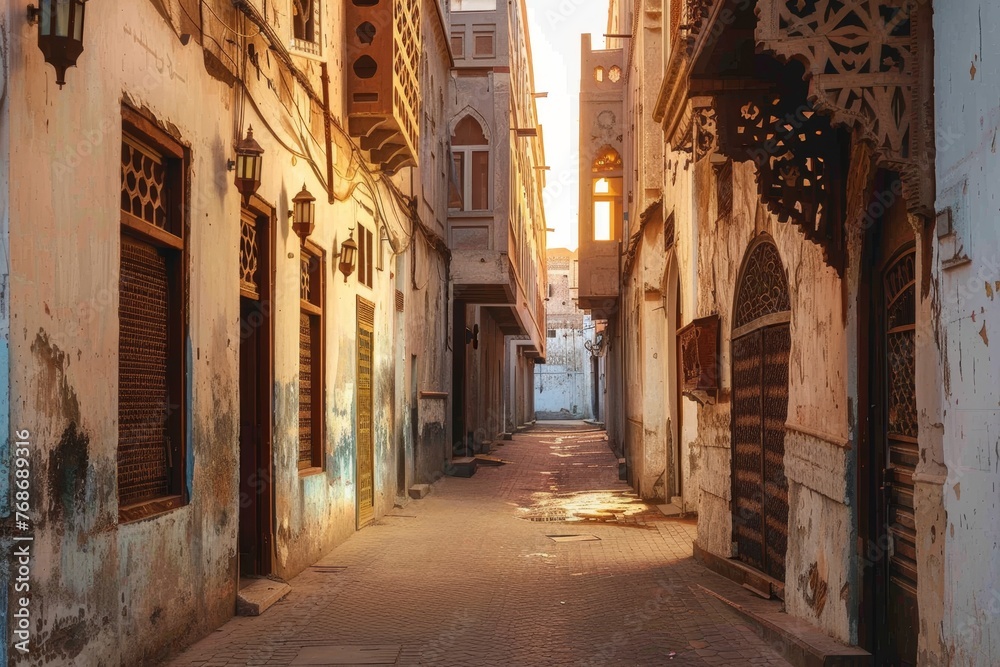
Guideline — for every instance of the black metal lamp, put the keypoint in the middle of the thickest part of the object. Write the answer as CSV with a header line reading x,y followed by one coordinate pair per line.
x,y
248,165
348,253
304,213
60,32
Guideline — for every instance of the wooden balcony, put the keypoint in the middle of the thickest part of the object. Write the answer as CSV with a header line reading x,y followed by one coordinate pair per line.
x,y
383,93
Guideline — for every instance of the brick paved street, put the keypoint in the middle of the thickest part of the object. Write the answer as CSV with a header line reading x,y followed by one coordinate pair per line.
x,y
469,576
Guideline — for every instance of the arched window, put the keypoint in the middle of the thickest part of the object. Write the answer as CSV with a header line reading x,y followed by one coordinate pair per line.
x,y
471,154
607,194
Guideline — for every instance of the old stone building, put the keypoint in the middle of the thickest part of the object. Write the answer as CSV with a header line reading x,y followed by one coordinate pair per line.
x,y
787,242
255,359
565,384
497,229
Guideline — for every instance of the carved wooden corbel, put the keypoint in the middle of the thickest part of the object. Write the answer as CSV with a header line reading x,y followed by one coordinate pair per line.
x,y
867,70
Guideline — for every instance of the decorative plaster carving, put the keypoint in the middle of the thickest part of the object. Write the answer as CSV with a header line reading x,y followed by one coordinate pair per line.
x,y
705,140
862,58
797,155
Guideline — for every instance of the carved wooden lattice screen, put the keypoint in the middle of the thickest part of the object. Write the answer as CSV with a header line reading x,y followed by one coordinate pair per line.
x,y
310,358
761,346
143,454
902,453
365,442
249,256
405,66
151,321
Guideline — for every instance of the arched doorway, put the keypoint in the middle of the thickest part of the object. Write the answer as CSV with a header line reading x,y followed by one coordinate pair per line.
x,y
761,341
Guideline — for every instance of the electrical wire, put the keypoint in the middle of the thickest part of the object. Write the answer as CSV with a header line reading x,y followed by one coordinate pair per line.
x,y
223,22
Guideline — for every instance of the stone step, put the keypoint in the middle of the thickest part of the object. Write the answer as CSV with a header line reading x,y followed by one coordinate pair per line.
x,y
258,595
798,642
418,491
462,466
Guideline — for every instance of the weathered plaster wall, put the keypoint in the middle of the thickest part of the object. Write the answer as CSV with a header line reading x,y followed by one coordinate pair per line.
x,y
128,593
965,296
103,590
680,281
423,277
817,456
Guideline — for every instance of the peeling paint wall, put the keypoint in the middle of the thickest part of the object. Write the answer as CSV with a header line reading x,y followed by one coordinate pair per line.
x,y
817,441
424,276
962,454
104,591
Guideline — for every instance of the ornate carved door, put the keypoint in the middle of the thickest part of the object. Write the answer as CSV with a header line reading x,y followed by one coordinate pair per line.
x,y
365,440
761,342
896,442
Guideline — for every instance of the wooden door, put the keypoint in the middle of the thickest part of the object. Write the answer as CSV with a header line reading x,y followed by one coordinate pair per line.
x,y
896,442
888,451
365,440
761,343
254,538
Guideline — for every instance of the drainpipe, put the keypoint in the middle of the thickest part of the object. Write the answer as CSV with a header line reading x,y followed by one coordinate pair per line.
x,y
326,127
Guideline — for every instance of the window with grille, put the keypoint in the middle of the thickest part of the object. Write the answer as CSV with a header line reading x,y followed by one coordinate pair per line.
x,y
152,305
366,256
306,25
311,349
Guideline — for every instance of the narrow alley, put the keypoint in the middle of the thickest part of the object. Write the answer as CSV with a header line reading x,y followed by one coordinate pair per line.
x,y
470,575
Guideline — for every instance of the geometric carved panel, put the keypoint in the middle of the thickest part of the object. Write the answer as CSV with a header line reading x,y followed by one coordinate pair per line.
x,y
863,67
249,257
763,289
143,183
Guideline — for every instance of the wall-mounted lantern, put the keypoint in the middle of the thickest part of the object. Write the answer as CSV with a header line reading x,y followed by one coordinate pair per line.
x,y
60,32
248,165
303,213
348,253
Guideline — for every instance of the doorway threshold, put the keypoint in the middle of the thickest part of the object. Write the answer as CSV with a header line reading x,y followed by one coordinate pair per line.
x,y
257,595
796,640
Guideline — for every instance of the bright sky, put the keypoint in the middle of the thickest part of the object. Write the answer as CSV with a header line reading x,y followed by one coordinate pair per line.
x,y
556,26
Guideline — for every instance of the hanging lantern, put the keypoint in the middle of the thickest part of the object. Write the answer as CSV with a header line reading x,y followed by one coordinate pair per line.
x,y
248,165
60,32
348,253
303,213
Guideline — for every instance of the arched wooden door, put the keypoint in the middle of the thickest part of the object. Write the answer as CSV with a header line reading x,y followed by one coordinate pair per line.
x,y
761,342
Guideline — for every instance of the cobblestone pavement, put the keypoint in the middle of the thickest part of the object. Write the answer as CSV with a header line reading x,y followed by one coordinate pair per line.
x,y
470,576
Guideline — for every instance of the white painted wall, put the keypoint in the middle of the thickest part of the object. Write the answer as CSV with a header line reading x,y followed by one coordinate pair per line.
x,y
966,294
